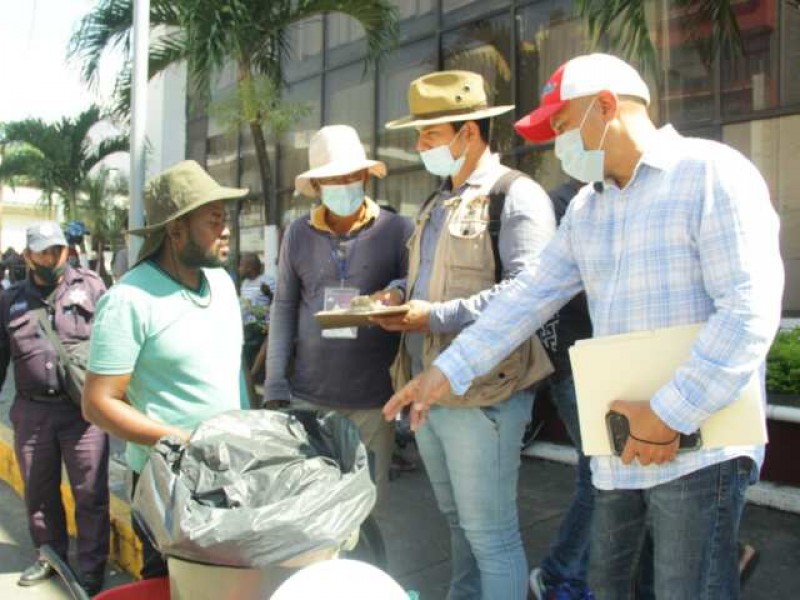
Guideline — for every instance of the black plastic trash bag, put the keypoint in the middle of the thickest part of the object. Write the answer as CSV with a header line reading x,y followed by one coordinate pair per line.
x,y
256,488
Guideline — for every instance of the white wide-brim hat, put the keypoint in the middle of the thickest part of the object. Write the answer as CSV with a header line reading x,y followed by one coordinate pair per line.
x,y
335,150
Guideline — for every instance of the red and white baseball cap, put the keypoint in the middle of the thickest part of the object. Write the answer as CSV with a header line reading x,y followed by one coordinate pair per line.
x,y
581,76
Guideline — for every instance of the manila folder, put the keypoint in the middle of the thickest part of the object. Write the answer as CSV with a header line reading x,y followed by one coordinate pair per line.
x,y
634,366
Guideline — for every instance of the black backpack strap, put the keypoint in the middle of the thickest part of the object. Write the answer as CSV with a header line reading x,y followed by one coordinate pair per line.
x,y
497,200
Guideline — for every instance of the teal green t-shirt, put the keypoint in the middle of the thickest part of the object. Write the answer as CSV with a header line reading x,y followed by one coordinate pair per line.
x,y
182,348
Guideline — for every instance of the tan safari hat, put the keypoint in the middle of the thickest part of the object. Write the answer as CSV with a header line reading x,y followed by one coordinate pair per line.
x,y
447,97
174,193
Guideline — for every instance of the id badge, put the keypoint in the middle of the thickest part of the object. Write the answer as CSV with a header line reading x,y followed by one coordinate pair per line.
x,y
338,298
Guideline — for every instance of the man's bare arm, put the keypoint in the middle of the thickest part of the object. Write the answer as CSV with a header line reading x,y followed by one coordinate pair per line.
x,y
104,405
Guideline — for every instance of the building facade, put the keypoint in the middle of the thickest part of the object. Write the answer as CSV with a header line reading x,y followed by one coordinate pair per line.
x,y
750,102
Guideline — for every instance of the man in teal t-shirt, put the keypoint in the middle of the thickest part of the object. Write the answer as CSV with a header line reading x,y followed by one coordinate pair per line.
x,y
167,339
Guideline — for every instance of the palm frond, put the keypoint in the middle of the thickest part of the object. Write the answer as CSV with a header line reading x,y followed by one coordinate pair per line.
x,y
379,18
23,165
104,149
108,26
165,51
624,24
721,16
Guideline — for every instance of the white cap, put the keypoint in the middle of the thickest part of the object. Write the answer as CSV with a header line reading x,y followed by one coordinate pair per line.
x,y
335,150
581,76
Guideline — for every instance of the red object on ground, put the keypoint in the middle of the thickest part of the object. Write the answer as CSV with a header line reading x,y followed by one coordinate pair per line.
x,y
152,589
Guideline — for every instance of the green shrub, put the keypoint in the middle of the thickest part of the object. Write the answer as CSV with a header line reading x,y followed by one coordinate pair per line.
x,y
783,363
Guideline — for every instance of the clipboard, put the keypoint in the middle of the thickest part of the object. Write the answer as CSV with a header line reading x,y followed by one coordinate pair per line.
x,y
333,319
634,367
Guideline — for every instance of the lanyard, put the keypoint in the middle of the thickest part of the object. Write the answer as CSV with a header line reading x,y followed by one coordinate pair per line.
x,y
340,258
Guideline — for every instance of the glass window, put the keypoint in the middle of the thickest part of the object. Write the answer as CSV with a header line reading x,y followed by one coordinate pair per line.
x,y
345,39
749,82
350,100
549,35
791,53
417,17
294,144
687,95
222,160
294,205
774,145
197,140
460,11
396,148
407,191
485,47
305,49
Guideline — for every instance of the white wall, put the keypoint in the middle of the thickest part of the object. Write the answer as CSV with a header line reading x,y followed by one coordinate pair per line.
x,y
19,209
166,119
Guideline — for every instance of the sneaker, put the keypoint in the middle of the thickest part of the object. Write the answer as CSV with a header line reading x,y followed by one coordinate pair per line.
x,y
37,573
565,590
401,464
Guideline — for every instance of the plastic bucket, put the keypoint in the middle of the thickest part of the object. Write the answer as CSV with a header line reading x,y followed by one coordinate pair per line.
x,y
151,589
196,581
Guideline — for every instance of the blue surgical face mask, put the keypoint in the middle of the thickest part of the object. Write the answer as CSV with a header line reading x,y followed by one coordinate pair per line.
x,y
584,165
343,200
439,160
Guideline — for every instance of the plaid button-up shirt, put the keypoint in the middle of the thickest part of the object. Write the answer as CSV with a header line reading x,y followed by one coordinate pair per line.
x,y
691,238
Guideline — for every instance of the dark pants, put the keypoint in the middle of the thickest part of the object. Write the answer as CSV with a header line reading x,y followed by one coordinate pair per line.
x,y
568,559
693,525
44,435
153,564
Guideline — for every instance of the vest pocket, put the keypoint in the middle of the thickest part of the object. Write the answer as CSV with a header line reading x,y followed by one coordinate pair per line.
x,y
499,384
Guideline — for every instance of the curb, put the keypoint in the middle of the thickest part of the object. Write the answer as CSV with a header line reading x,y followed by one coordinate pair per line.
x,y
764,493
125,550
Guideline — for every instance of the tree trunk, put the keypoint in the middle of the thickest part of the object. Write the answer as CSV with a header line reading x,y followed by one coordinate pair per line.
x,y
100,266
265,169
247,92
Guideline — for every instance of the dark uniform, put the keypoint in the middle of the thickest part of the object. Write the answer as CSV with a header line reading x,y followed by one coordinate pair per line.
x,y
48,426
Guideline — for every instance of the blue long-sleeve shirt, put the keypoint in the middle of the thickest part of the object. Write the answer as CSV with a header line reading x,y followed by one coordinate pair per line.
x,y
692,238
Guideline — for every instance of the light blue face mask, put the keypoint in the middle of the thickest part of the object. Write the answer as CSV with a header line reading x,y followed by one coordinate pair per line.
x,y
439,160
576,161
343,200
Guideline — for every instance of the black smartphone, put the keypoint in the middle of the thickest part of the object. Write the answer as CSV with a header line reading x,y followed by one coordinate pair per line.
x,y
619,429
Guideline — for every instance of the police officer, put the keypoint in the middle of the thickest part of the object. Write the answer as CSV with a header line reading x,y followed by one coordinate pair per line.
x,y
48,426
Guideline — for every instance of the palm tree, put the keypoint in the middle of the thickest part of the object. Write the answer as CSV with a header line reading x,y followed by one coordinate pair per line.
x,y
55,157
104,216
625,24
210,34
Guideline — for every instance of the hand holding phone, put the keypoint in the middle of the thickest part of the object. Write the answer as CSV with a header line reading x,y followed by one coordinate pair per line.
x,y
619,430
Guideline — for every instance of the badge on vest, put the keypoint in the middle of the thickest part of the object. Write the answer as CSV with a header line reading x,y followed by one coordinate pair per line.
x,y
471,218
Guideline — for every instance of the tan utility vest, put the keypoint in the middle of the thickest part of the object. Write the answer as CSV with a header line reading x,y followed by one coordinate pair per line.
x,y
463,265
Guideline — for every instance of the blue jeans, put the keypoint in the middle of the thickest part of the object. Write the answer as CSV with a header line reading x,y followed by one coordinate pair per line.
x,y
693,524
568,559
472,458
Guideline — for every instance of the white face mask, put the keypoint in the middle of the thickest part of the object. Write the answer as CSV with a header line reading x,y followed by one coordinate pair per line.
x,y
439,160
584,165
343,200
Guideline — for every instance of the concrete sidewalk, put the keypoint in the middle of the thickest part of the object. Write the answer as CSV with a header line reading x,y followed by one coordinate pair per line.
x,y
17,554
417,538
